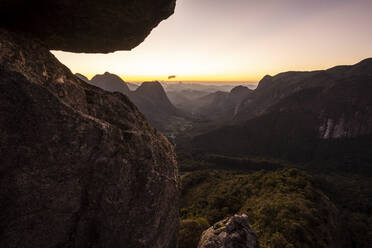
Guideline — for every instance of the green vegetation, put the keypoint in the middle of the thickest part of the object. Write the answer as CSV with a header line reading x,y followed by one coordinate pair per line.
x,y
285,207
340,170
223,162
352,194
190,232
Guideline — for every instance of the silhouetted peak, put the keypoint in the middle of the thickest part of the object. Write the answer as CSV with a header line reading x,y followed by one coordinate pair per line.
x,y
151,84
107,76
266,77
151,99
240,89
153,87
266,80
110,82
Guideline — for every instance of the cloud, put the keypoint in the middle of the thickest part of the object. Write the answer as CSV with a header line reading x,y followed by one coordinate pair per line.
x,y
172,77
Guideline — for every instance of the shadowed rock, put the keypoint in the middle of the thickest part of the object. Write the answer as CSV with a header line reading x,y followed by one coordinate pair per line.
x,y
80,167
85,26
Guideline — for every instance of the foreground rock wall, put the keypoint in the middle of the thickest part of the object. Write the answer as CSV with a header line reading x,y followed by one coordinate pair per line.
x,y
79,167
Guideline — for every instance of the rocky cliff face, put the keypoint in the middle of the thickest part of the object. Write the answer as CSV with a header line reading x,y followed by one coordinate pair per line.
x,y
79,166
232,232
340,99
303,117
341,84
85,26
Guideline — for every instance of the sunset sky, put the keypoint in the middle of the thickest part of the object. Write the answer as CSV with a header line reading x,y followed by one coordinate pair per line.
x,y
241,40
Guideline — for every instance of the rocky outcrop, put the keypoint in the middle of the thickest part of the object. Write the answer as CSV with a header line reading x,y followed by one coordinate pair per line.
x,y
85,25
233,232
79,166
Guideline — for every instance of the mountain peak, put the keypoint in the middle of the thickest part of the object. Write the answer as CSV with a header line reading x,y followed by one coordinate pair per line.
x,y
110,82
151,84
240,89
266,80
151,99
153,87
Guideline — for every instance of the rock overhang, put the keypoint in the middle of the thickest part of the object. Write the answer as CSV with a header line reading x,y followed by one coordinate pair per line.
x,y
88,26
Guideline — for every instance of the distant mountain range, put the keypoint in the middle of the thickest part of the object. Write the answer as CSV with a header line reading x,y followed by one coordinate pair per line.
x,y
218,105
149,97
302,116
202,87
223,105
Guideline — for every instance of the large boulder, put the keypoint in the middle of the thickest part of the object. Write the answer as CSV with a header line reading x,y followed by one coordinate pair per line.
x,y
79,166
85,25
233,232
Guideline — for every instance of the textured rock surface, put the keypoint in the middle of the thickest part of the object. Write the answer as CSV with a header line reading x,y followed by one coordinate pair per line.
x,y
85,25
79,166
233,232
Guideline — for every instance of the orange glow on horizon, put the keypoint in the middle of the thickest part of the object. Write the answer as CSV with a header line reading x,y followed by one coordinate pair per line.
x,y
190,79
253,39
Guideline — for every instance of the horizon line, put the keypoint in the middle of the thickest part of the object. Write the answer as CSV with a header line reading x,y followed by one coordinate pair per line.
x,y
165,80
